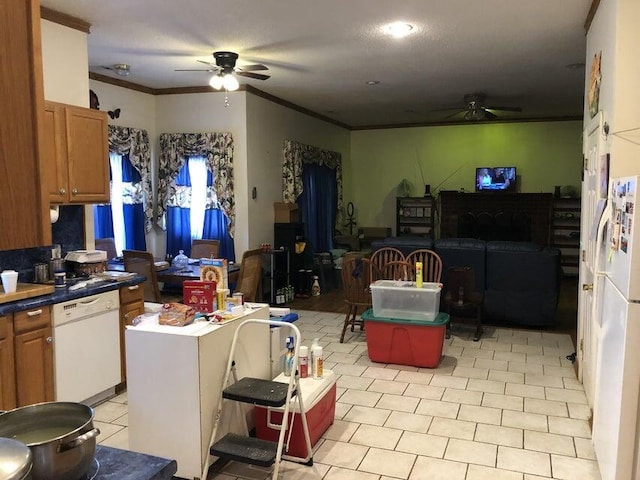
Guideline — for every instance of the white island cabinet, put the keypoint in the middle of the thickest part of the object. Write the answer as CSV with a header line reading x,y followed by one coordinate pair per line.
x,y
174,378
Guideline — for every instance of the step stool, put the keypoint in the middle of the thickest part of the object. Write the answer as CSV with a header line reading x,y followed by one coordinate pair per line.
x,y
264,393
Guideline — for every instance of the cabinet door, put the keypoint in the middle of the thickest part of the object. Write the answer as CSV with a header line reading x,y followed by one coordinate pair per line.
x,y
7,365
87,155
34,366
131,305
24,214
53,153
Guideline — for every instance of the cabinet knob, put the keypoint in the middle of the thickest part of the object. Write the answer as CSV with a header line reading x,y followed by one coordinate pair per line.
x,y
74,191
49,339
63,191
587,286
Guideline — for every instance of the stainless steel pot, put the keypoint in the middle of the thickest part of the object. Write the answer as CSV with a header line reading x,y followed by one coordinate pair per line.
x,y
15,460
60,435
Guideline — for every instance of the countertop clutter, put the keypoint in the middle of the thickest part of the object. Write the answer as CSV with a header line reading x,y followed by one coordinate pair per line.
x,y
63,294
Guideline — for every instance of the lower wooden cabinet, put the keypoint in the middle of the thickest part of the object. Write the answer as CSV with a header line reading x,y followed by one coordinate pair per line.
x,y
7,364
26,352
131,305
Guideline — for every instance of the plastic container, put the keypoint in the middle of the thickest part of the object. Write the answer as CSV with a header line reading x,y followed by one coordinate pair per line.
x,y
416,343
403,300
319,399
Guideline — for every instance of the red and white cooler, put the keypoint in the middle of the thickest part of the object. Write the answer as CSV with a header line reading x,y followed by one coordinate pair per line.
x,y
319,400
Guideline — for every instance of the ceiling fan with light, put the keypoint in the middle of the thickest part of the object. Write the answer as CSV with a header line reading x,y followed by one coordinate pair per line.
x,y
476,108
224,71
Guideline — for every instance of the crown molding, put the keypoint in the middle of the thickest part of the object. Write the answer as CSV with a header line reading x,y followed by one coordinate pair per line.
x,y
121,83
64,19
592,13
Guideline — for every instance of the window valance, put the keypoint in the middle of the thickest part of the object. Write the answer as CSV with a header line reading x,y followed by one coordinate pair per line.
x,y
295,156
135,143
217,148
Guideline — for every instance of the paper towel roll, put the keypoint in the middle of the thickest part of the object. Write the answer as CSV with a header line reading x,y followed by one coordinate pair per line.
x,y
54,213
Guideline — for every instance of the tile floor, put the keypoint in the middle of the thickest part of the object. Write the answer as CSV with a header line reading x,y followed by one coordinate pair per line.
x,y
508,407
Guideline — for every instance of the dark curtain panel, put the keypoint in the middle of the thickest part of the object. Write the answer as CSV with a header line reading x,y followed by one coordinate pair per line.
x,y
102,221
317,204
179,219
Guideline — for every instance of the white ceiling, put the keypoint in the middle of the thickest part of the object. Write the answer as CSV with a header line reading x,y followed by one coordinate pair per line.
x,y
321,53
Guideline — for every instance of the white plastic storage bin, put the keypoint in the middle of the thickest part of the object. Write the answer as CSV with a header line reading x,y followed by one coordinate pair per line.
x,y
403,300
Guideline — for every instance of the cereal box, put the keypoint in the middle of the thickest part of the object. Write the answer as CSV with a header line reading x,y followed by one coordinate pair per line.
x,y
199,295
214,270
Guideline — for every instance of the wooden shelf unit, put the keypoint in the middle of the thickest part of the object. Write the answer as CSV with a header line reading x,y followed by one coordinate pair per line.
x,y
565,232
415,216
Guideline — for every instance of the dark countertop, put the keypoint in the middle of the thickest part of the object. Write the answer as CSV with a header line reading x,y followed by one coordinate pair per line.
x,y
64,294
116,464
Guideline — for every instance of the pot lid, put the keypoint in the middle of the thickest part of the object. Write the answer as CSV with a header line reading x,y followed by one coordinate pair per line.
x,y
15,459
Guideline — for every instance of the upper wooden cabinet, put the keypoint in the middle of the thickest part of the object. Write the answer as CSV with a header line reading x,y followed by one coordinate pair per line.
x,y
75,154
24,205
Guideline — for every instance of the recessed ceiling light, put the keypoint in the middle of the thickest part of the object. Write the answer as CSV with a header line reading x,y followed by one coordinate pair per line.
x,y
373,82
398,29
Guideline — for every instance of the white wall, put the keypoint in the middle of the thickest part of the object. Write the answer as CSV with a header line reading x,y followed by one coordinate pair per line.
x,y
65,64
268,125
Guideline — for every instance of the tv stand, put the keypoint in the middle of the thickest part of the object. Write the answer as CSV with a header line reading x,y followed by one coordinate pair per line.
x,y
537,206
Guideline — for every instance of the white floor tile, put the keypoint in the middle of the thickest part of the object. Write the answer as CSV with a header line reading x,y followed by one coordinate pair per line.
x,y
579,411
358,383
387,386
524,461
584,448
519,389
543,380
564,395
471,452
569,426
411,422
567,468
525,420
446,427
530,349
507,436
342,409
349,369
422,444
506,376
523,367
549,443
414,377
424,391
427,468
446,381
480,414
340,454
552,360
462,396
498,365
360,397
341,431
374,436
106,430
338,357
478,472
120,439
489,386
109,411
337,473
467,372
506,402
546,407
385,462
398,402
380,373
369,415
437,409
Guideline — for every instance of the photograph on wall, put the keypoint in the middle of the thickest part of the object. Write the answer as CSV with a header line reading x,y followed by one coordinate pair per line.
x,y
594,85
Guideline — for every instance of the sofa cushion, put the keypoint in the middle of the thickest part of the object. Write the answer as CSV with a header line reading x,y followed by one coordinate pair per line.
x,y
464,252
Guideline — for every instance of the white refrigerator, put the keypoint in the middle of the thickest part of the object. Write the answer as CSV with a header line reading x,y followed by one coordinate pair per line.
x,y
615,416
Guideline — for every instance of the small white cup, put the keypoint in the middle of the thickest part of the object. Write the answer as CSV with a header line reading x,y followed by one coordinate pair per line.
x,y
9,281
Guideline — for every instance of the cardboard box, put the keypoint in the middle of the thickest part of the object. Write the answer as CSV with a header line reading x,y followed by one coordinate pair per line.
x,y
286,212
412,342
214,270
319,398
200,295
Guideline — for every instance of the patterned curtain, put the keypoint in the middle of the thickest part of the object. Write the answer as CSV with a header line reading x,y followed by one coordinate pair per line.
x,y
134,142
295,156
217,148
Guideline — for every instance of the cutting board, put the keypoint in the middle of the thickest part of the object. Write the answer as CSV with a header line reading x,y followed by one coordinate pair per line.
x,y
26,290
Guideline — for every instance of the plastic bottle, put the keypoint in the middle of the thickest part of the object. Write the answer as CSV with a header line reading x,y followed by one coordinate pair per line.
x,y
315,288
312,363
289,357
419,274
317,362
303,361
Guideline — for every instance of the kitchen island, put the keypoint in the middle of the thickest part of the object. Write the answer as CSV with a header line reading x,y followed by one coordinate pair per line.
x,y
174,379
114,463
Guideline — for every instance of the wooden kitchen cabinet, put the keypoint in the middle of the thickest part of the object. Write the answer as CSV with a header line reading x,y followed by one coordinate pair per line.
x,y
131,305
7,364
33,344
75,154
24,214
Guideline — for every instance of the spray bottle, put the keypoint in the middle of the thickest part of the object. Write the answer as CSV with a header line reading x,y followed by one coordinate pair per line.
x,y
419,274
289,357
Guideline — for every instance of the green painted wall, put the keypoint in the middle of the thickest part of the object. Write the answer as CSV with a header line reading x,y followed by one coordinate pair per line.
x,y
545,154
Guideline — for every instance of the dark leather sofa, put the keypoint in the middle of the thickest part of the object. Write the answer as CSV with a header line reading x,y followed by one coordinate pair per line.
x,y
520,280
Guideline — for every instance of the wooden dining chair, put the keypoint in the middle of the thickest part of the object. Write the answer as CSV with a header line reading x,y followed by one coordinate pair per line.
x,y
397,270
431,264
205,248
381,257
356,278
250,275
142,263
108,245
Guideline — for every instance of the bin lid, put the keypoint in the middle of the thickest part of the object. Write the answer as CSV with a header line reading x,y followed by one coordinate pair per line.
x,y
441,319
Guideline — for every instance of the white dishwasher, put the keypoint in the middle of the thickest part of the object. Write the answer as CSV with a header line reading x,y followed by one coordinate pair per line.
x,y
86,335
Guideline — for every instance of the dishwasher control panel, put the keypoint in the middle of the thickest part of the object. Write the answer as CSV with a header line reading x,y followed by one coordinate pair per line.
x,y
85,307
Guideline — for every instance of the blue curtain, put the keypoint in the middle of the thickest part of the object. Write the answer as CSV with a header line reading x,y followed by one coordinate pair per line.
x,y
215,226
134,219
317,204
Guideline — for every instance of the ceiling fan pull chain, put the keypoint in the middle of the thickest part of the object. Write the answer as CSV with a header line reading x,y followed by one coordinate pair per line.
x,y
226,98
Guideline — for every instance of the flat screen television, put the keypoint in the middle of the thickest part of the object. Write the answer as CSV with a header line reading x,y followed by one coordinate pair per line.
x,y
495,179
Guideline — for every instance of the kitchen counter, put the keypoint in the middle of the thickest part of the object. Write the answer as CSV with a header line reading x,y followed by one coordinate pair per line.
x,y
63,294
116,464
